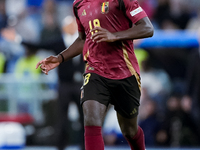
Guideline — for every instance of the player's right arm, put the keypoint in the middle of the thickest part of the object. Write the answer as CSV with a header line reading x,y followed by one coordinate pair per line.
x,y
52,62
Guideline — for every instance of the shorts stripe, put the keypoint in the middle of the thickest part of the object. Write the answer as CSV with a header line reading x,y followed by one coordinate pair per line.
x,y
130,66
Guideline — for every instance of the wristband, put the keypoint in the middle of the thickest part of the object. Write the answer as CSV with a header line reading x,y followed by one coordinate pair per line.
x,y
62,58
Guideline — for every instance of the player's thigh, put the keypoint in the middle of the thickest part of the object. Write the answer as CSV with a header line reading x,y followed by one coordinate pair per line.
x,y
94,113
95,98
126,97
128,126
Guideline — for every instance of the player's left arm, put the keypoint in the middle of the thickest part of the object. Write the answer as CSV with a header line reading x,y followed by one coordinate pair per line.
x,y
141,29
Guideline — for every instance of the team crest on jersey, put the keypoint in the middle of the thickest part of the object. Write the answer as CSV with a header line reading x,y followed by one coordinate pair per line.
x,y
105,7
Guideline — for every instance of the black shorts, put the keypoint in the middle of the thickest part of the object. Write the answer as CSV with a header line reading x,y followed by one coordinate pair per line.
x,y
124,94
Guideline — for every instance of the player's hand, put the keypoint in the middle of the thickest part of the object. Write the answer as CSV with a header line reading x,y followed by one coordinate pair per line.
x,y
48,64
102,35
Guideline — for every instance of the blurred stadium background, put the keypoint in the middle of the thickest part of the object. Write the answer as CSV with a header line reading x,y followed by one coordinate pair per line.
x,y
170,72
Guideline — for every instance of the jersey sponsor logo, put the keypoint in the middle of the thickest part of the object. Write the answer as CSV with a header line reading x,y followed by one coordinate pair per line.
x,y
83,13
105,7
136,11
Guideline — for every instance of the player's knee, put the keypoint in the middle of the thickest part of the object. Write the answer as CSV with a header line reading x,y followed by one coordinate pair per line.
x,y
94,113
92,121
129,132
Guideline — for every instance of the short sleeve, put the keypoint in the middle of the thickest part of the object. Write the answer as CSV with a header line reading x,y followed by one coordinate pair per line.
x,y
134,11
75,10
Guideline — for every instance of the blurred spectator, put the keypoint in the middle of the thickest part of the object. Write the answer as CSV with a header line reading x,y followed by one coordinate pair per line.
x,y
15,7
28,27
186,104
24,19
193,83
19,19
3,15
50,27
2,63
171,128
12,51
178,127
70,81
180,13
187,107
162,12
3,24
49,6
25,66
172,14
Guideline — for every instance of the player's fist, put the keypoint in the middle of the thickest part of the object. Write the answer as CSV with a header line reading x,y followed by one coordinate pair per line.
x,y
102,35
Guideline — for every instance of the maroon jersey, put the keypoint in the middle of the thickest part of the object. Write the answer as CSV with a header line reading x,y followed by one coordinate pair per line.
x,y
113,60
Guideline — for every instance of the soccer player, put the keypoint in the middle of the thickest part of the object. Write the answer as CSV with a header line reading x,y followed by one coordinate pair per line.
x,y
107,29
